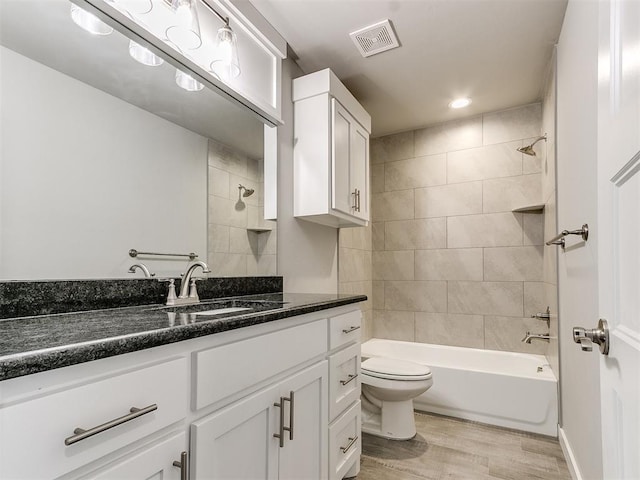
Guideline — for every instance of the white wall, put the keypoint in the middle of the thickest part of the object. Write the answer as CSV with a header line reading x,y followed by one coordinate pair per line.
x,y
85,177
307,252
577,204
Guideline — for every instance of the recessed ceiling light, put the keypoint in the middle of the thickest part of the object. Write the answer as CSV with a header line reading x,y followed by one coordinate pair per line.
x,y
460,103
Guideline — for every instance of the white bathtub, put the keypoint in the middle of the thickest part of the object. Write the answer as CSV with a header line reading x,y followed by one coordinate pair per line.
x,y
498,388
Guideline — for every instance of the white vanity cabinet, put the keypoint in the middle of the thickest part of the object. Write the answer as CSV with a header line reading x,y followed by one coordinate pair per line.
x,y
260,402
331,152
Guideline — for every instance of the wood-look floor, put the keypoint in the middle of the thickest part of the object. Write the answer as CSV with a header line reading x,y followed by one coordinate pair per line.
x,y
449,448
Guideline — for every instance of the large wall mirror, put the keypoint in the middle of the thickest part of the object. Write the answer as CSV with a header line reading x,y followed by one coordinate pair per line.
x,y
101,154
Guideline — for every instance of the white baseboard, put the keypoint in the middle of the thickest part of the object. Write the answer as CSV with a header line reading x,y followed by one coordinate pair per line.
x,y
569,456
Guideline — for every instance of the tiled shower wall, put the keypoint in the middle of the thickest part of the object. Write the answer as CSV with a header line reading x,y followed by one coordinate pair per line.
x,y
240,241
451,263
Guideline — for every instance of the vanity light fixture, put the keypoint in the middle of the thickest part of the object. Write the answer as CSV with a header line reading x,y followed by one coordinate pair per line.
x,y
133,7
460,103
88,21
187,82
144,55
226,64
185,32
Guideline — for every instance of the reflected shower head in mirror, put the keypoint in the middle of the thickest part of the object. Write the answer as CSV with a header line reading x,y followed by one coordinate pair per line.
x,y
528,149
247,191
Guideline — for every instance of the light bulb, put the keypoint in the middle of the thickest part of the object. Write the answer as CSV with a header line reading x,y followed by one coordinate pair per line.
x,y
226,64
185,31
89,22
187,82
460,103
144,55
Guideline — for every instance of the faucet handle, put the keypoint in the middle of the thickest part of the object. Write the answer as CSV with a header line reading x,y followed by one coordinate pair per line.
x,y
171,295
193,290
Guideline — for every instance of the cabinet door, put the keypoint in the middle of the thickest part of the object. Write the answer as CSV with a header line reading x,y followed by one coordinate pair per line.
x,y
341,194
237,442
154,463
305,457
359,170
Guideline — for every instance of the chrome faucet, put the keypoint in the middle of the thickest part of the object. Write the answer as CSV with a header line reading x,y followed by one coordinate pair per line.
x,y
189,295
540,336
142,267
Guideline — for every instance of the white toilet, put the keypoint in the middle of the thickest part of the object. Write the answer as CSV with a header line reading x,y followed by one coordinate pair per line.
x,y
388,389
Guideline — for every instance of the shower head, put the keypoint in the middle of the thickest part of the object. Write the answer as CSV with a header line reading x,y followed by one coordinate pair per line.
x,y
528,149
247,191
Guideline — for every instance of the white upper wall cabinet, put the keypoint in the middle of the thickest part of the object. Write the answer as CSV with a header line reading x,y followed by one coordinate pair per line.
x,y
331,152
260,48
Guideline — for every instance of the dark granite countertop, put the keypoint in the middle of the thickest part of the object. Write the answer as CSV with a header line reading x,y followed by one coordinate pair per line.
x,y
39,343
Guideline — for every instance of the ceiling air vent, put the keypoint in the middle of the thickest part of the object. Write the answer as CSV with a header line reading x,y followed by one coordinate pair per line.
x,y
376,38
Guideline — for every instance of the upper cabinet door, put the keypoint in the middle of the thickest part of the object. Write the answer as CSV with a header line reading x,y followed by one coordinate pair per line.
x,y
342,197
359,171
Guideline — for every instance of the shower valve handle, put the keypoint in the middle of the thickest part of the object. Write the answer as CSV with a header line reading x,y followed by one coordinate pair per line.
x,y
587,337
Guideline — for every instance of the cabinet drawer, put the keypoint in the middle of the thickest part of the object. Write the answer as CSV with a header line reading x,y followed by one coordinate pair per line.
x,y
344,329
344,380
345,443
228,369
36,447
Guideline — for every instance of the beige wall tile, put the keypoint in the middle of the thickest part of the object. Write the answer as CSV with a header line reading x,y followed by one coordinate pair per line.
x,y
486,298
517,264
218,182
451,264
391,147
377,235
358,288
506,333
513,124
487,230
228,264
222,212
377,178
505,194
224,158
415,234
416,172
367,325
218,239
493,161
378,294
448,200
392,205
242,241
397,265
268,242
534,300
345,237
354,265
267,265
393,325
362,237
447,329
449,136
533,229
415,296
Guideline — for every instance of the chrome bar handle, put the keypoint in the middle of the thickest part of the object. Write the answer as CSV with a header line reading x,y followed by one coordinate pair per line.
x,y
358,197
350,378
355,200
291,410
183,465
81,433
352,441
280,434
599,335
134,253
351,329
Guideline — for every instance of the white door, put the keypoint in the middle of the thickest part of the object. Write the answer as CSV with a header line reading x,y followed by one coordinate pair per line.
x,y
619,233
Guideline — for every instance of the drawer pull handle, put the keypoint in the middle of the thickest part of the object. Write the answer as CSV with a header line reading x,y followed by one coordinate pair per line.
x,y
183,465
351,329
81,433
349,379
352,441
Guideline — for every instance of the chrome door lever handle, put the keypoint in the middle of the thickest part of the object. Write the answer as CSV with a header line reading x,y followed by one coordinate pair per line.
x,y
587,337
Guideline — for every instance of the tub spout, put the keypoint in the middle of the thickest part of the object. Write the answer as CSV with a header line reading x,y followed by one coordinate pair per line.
x,y
540,336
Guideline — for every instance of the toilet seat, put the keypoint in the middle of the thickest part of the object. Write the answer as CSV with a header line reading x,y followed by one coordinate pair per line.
x,y
394,369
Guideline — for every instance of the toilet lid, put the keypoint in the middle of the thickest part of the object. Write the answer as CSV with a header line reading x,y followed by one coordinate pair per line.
x,y
392,368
